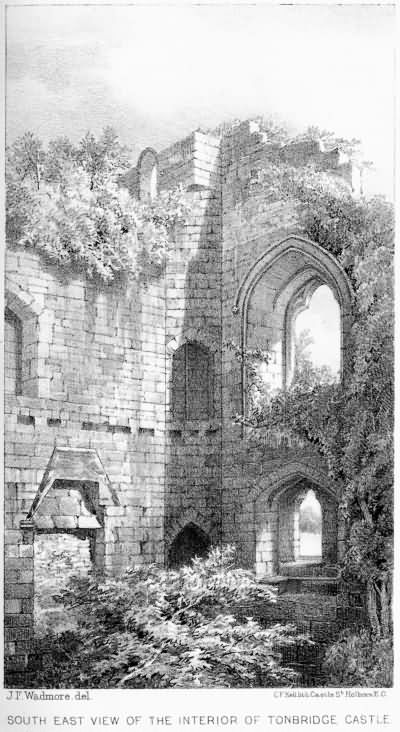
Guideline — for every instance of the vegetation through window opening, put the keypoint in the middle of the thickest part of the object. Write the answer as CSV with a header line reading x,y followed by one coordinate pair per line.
x,y
316,339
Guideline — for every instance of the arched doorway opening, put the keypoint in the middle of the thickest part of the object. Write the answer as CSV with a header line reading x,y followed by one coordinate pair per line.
x,y
191,542
297,530
306,528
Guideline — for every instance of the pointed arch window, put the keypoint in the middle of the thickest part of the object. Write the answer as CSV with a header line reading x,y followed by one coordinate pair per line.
x,y
148,175
270,298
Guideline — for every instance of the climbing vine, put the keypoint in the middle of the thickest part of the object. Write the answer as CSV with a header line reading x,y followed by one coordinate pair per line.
x,y
350,423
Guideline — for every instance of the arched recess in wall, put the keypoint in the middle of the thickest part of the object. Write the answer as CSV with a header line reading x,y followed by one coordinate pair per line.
x,y
147,168
190,542
277,516
22,343
278,285
192,382
12,353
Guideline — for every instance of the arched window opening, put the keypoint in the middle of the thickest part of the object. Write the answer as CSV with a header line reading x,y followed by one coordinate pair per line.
x,y
12,353
148,176
191,542
316,340
310,528
192,383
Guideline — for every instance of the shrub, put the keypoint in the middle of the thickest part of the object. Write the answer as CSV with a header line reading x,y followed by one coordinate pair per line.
x,y
168,628
71,204
359,660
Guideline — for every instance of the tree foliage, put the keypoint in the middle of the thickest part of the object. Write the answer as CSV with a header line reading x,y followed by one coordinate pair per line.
x,y
169,628
68,203
305,373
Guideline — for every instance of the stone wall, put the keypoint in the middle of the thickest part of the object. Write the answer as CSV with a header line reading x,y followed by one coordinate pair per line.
x,y
318,615
58,556
193,335
267,263
113,378
96,382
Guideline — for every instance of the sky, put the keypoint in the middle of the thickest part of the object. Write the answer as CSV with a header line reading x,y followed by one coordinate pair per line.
x,y
322,319
156,73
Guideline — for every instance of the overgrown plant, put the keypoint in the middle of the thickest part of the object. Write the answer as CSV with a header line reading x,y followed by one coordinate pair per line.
x,y
255,361
169,628
350,423
69,203
359,660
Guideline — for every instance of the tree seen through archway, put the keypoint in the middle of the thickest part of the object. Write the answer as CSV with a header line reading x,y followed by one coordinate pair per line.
x,y
317,357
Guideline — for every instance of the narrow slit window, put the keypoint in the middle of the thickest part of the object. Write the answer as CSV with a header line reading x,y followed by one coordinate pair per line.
x,y
12,353
148,176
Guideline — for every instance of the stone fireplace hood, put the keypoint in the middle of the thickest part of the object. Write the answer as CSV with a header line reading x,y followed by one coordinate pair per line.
x,y
74,464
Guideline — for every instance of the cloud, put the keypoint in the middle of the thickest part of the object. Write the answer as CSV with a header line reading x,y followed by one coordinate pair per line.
x,y
157,73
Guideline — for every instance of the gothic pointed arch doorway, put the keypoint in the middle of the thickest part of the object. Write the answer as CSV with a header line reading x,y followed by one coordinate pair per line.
x,y
296,525
189,543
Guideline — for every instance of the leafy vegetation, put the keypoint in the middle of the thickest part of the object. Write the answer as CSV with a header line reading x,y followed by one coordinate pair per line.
x,y
160,628
167,628
305,373
359,660
68,202
350,423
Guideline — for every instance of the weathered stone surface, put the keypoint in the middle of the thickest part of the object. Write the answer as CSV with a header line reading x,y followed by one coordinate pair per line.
x,y
126,395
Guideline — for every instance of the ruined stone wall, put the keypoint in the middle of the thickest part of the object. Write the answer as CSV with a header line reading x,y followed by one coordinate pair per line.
x,y
254,224
96,381
97,368
58,558
110,376
193,336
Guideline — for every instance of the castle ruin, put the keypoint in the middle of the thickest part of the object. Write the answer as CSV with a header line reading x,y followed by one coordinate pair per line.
x,y
121,448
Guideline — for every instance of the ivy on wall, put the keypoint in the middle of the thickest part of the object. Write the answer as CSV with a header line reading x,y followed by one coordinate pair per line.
x,y
350,423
